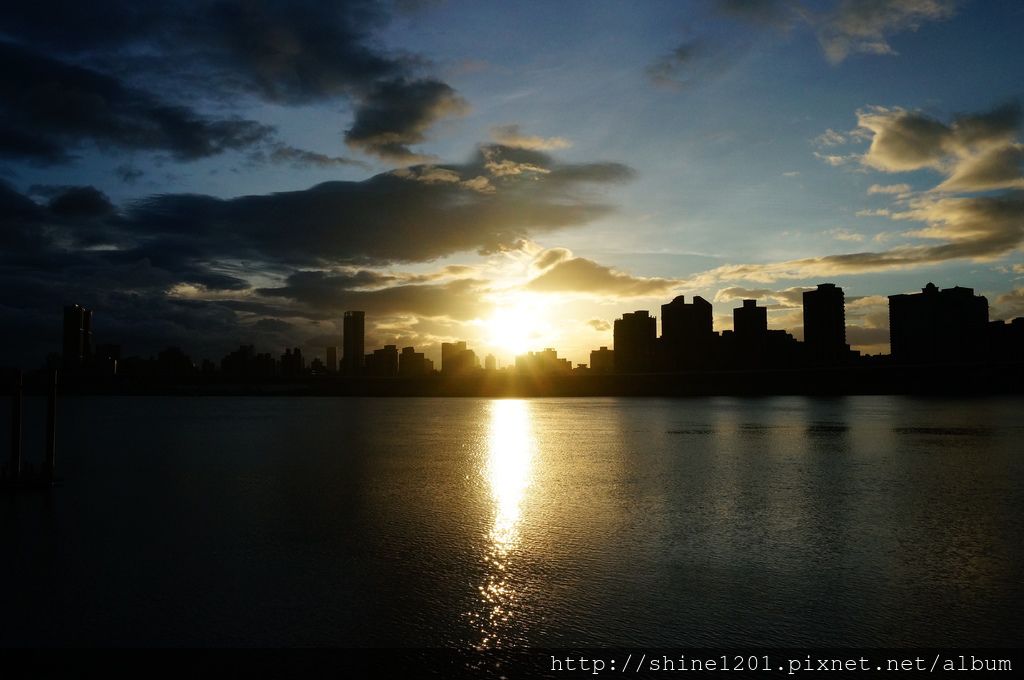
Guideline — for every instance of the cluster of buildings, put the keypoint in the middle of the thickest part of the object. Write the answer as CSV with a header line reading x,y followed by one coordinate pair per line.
x,y
689,341
934,326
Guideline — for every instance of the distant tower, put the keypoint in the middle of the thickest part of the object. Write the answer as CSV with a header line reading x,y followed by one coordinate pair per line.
x,y
825,324
77,342
634,342
353,342
490,363
332,359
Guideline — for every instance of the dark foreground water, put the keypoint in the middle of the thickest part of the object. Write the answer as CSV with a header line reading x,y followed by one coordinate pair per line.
x,y
867,521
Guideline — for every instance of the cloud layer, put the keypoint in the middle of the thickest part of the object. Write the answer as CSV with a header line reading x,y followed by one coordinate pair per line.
x,y
976,212
297,257
119,75
561,272
845,27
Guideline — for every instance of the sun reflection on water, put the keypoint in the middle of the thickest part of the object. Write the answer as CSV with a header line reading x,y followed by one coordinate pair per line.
x,y
507,471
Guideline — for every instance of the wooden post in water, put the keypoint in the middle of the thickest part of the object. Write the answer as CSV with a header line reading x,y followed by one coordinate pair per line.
x,y
50,469
15,467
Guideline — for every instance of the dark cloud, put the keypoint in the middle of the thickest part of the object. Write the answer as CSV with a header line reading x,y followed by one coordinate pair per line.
x,y
57,107
580,275
85,202
289,52
397,113
690,63
129,174
300,158
550,257
334,293
391,217
599,325
977,150
180,252
273,325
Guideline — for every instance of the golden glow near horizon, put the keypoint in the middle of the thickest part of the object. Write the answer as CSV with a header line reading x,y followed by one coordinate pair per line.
x,y
507,469
518,324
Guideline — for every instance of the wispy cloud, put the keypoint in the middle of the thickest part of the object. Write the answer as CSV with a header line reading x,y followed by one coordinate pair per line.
x,y
513,136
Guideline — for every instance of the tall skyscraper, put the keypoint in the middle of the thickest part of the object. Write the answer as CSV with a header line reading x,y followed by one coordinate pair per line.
x,y
332,359
634,339
687,333
825,325
938,326
353,340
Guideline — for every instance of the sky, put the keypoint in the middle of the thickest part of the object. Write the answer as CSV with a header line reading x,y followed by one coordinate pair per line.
x,y
517,175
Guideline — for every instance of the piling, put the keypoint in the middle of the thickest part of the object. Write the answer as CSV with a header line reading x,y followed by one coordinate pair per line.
x,y
50,466
15,466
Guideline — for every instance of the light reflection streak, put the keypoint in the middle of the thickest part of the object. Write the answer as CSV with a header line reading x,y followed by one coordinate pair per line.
x,y
507,470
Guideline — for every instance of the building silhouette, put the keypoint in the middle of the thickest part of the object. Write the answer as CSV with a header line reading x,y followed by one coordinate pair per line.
x,y
634,342
353,342
750,320
244,362
173,363
825,325
292,363
413,364
1006,340
938,326
545,362
457,359
687,334
490,363
332,360
383,362
602,360
746,346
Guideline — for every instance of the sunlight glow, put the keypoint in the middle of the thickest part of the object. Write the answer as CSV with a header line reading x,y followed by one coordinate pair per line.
x,y
517,324
508,467
507,471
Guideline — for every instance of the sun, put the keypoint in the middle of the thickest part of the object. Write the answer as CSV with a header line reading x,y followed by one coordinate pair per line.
x,y
516,325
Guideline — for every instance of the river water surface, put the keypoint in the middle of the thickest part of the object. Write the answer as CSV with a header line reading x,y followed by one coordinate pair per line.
x,y
481,524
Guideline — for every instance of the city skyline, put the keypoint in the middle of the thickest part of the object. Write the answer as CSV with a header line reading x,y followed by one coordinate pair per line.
x,y
934,326
511,177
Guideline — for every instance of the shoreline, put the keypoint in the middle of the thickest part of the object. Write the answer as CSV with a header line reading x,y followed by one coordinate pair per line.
x,y
922,380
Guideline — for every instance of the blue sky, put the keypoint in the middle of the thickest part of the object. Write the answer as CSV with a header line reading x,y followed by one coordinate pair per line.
x,y
610,156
